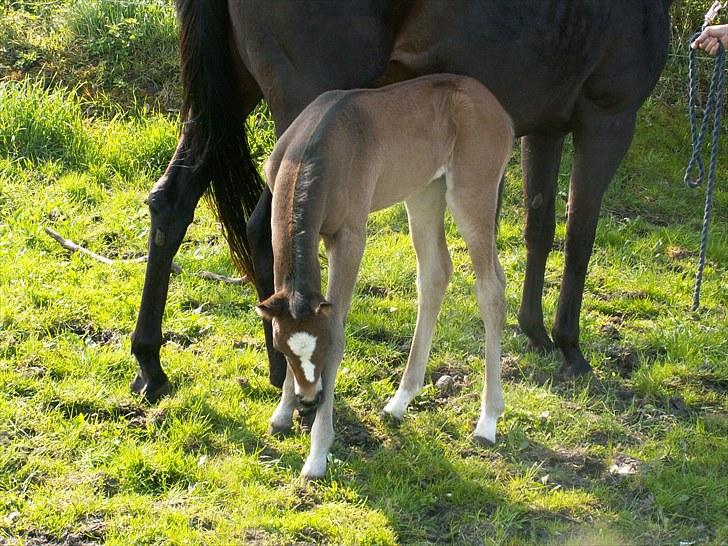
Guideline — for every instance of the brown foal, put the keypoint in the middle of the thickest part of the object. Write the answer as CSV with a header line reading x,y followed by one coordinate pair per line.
x,y
433,142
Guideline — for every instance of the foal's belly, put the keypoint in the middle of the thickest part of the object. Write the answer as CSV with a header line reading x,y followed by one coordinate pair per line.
x,y
393,188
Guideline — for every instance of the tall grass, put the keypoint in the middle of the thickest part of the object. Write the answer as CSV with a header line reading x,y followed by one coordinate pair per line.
x,y
123,29
39,124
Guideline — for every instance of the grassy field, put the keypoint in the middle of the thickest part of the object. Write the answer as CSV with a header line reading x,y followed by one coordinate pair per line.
x,y
638,454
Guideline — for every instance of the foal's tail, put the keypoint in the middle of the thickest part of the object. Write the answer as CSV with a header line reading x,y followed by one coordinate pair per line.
x,y
213,112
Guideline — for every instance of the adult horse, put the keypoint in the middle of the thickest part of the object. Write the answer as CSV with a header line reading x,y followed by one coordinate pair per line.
x,y
558,66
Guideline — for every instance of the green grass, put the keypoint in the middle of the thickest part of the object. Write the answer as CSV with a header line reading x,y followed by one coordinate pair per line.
x,y
81,459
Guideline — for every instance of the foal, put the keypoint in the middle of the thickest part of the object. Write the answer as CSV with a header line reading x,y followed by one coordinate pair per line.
x,y
352,152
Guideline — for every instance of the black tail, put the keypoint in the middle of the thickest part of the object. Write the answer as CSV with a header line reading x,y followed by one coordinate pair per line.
x,y
213,112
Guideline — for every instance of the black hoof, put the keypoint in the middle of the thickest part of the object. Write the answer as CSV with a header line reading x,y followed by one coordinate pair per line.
x,y
542,345
573,368
152,391
538,339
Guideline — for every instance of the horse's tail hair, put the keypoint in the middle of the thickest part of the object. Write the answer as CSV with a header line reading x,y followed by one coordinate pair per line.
x,y
214,118
499,202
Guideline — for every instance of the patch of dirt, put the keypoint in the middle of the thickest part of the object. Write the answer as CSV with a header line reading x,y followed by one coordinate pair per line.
x,y
458,380
307,498
249,343
510,368
92,533
86,331
373,290
351,432
612,328
256,537
185,339
93,409
623,212
567,467
624,465
378,335
310,535
624,359
677,253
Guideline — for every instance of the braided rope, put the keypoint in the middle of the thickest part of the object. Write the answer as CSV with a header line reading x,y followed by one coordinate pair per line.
x,y
713,109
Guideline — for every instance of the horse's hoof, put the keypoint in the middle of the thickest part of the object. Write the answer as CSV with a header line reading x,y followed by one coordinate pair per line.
x,y
278,431
538,340
542,346
149,390
390,418
313,471
482,441
485,430
573,368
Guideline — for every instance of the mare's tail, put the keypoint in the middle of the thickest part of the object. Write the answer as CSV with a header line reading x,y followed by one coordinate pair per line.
x,y
499,203
212,109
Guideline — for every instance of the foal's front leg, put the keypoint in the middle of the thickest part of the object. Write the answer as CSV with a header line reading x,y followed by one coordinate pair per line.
x,y
426,212
345,252
281,422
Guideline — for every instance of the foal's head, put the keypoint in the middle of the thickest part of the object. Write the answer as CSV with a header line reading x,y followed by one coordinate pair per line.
x,y
301,331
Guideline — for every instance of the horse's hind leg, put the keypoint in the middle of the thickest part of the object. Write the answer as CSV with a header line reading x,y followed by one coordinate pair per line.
x,y
600,142
426,212
473,206
172,203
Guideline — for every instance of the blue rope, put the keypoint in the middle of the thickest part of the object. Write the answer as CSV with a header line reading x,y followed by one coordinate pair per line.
x,y
713,109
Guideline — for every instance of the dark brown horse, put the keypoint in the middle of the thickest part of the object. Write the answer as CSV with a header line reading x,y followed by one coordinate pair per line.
x,y
558,66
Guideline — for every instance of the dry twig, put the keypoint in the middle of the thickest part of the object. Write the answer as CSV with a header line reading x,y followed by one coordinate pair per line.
x,y
73,247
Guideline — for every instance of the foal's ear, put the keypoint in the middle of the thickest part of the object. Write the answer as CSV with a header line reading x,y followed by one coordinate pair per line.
x,y
324,308
273,307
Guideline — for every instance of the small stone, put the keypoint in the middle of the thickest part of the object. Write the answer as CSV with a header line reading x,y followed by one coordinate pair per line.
x,y
444,384
12,517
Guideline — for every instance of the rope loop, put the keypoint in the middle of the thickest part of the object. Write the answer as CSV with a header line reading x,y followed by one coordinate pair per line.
x,y
695,170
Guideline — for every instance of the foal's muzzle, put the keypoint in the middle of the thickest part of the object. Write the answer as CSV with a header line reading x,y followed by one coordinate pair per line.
x,y
308,405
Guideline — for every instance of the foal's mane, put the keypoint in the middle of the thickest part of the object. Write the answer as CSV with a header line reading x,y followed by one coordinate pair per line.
x,y
305,192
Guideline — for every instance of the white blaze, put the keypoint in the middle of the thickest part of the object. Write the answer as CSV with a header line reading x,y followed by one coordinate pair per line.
x,y
303,345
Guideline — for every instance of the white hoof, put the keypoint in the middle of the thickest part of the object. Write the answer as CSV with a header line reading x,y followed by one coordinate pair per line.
x,y
485,429
397,406
314,468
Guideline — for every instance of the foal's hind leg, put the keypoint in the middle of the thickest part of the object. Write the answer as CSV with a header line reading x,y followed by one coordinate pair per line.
x,y
473,206
426,212
172,203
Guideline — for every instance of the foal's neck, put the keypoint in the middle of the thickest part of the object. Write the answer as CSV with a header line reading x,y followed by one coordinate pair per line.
x,y
298,214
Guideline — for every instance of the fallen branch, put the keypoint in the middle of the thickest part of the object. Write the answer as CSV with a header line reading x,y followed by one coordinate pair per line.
x,y
73,247
210,276
176,268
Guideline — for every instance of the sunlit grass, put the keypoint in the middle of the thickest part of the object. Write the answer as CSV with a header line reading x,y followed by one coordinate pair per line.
x,y
81,458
